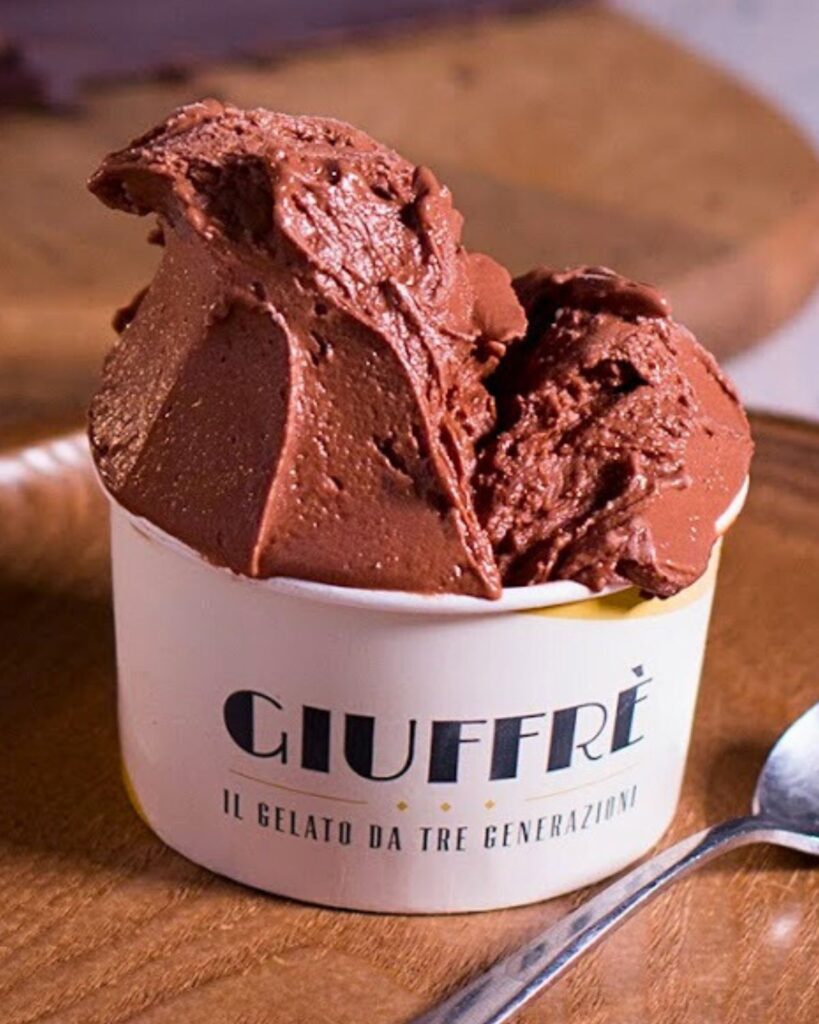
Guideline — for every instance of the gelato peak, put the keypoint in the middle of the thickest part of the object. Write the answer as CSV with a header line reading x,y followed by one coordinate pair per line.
x,y
594,289
300,390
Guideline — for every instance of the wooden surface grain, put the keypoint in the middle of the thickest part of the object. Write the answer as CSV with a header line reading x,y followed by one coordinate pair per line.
x,y
569,135
102,924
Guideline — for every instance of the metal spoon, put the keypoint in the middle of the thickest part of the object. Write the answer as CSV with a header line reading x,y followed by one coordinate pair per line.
x,y
785,811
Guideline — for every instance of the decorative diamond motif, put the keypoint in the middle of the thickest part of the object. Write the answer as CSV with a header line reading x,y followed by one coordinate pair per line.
x,y
489,804
446,807
402,805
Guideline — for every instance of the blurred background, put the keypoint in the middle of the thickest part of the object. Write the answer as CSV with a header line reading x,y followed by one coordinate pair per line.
x,y
674,140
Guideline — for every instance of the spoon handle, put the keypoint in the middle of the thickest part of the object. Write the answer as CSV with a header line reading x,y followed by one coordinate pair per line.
x,y
502,990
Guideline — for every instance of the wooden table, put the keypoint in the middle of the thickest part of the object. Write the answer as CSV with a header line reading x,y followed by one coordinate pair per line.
x,y
101,924
569,135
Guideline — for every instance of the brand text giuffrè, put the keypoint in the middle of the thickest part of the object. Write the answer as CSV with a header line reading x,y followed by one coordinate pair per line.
x,y
320,739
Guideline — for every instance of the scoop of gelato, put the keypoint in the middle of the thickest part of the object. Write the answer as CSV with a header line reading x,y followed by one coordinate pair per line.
x,y
322,382
618,445
300,390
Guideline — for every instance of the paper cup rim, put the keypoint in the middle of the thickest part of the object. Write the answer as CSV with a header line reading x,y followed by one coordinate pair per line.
x,y
540,595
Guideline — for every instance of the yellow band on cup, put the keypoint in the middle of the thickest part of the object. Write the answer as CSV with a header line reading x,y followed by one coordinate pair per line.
x,y
131,794
630,604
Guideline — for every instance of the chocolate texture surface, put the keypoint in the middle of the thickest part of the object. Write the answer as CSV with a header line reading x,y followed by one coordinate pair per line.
x,y
300,389
619,442
322,382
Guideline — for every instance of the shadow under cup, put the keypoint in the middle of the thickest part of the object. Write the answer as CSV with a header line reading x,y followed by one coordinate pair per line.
x,y
400,752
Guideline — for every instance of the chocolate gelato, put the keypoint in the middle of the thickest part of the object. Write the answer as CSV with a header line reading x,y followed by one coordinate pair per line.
x,y
619,443
322,382
300,390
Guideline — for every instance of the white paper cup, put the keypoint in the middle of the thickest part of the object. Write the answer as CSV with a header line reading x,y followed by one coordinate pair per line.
x,y
399,752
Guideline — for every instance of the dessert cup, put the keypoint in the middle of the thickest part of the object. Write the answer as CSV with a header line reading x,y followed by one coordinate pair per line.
x,y
400,752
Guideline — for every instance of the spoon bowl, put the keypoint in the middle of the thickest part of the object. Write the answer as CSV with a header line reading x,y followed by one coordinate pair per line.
x,y
787,792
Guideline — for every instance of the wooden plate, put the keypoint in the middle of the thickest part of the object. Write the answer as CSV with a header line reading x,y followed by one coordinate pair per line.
x,y
101,924
569,135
